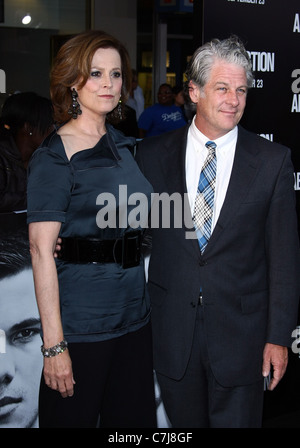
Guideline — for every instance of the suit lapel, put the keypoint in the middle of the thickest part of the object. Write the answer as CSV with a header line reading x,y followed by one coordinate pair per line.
x,y
244,169
173,162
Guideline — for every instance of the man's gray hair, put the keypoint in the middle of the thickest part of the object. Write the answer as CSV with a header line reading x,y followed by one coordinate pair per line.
x,y
230,50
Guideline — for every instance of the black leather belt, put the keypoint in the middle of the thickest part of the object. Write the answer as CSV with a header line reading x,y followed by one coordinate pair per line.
x,y
125,251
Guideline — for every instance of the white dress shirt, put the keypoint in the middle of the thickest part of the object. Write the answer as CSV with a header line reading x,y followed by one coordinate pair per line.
x,y
196,153
137,102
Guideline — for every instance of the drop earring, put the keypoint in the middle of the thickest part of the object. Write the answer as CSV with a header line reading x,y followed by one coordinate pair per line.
x,y
120,109
74,110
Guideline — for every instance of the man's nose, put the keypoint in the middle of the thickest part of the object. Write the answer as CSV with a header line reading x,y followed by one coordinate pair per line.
x,y
232,97
7,368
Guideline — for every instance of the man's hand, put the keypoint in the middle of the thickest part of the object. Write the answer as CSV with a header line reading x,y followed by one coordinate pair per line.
x,y
277,357
57,247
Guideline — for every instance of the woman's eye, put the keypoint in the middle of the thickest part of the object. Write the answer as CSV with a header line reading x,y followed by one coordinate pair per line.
x,y
96,74
117,74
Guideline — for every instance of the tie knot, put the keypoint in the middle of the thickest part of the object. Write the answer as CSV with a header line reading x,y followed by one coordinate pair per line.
x,y
210,145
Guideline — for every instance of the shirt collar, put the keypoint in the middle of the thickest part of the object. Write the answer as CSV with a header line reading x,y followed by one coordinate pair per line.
x,y
221,142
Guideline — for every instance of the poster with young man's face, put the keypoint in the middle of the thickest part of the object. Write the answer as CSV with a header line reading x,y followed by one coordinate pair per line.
x,y
20,355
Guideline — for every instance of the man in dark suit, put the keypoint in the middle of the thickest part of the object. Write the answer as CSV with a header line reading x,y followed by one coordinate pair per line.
x,y
222,316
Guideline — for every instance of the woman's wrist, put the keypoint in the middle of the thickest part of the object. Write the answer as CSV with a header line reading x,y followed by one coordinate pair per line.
x,y
55,349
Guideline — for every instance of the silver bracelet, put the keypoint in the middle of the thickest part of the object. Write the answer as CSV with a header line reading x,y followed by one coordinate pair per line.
x,y
54,351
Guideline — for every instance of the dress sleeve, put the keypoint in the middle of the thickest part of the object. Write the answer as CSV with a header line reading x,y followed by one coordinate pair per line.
x,y
49,188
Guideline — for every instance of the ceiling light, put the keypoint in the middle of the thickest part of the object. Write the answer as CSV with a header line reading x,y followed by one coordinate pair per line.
x,y
26,19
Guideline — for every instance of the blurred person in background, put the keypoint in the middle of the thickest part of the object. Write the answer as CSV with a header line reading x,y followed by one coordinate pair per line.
x,y
136,98
163,116
26,119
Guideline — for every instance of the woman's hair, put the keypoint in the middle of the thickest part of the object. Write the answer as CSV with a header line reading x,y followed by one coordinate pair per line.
x,y
72,66
25,107
230,50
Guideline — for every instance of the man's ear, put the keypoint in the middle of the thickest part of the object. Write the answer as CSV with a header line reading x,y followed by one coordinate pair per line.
x,y
194,92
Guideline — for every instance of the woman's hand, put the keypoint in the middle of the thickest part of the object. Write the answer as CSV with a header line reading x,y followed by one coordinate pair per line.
x,y
58,374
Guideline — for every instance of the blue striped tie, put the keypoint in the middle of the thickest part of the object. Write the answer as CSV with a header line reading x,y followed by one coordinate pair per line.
x,y
204,202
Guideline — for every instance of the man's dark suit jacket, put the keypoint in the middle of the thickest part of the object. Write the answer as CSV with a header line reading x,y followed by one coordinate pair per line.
x,y
248,272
